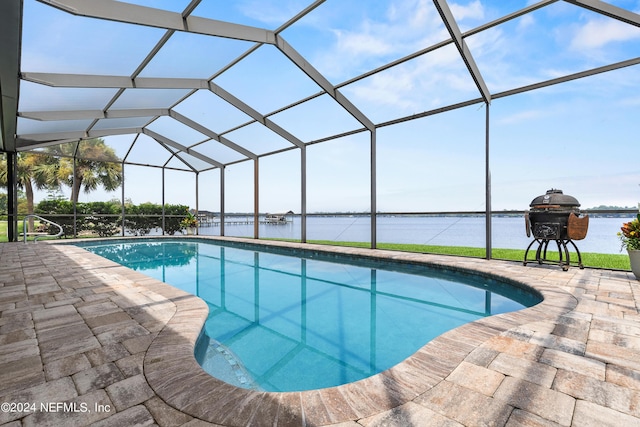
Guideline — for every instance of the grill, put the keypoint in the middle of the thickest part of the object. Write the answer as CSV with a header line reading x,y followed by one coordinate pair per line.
x,y
555,217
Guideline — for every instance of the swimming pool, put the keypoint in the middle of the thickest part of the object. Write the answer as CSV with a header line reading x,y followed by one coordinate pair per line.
x,y
281,323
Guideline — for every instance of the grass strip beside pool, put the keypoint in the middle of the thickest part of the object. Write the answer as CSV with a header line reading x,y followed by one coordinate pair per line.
x,y
589,259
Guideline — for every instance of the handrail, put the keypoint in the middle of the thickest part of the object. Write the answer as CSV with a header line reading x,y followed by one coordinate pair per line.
x,y
36,235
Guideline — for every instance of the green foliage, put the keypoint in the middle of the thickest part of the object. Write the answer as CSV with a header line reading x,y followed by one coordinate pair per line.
x,y
47,171
102,218
629,234
105,218
173,217
189,221
96,165
141,219
60,212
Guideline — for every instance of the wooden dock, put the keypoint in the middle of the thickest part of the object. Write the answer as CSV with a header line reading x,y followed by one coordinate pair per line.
x,y
240,222
211,219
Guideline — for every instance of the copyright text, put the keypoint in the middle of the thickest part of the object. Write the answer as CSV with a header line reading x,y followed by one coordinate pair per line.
x,y
32,407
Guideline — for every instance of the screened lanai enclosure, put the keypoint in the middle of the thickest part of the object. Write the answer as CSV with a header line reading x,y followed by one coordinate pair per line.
x,y
365,110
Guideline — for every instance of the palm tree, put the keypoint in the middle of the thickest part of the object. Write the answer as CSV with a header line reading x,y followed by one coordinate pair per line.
x,y
31,173
96,165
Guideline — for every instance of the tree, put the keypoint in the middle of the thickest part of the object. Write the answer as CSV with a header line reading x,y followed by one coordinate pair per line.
x,y
31,173
3,203
96,165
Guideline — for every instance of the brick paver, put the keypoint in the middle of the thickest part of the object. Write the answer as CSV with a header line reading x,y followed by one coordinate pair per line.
x,y
91,342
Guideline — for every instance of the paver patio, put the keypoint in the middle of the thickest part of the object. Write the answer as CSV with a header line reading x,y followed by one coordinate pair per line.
x,y
86,341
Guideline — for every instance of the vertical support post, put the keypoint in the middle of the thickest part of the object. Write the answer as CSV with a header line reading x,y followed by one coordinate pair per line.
x,y
12,196
488,245
163,203
256,198
75,192
197,200
373,190
303,194
222,171
122,202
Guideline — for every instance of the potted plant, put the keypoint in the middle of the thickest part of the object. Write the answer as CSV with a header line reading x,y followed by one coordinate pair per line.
x,y
629,235
189,222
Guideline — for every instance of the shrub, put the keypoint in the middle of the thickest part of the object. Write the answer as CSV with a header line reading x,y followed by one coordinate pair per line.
x,y
103,218
173,216
60,212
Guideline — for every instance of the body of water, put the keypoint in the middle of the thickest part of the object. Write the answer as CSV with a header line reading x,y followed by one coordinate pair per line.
x,y
507,232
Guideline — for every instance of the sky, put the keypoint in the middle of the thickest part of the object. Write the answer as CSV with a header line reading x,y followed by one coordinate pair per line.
x,y
579,136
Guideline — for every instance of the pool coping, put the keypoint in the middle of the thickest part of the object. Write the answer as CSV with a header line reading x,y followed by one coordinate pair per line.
x,y
174,374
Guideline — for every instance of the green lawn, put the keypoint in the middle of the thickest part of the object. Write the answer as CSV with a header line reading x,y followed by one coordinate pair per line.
x,y
608,261
3,231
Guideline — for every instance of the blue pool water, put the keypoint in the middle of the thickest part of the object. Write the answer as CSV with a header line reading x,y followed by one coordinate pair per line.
x,y
283,323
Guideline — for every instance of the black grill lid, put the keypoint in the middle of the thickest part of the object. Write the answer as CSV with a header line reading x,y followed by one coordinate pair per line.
x,y
554,197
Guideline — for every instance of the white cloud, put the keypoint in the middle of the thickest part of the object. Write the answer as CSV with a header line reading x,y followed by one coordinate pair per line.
x,y
418,85
407,26
413,14
473,10
599,32
362,44
526,22
387,89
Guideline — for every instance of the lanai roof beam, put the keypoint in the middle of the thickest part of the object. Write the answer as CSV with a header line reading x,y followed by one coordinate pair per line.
x,y
142,15
27,139
254,114
456,35
178,146
211,134
609,10
119,82
92,114
321,81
